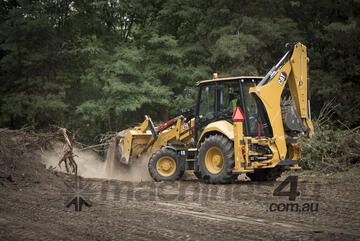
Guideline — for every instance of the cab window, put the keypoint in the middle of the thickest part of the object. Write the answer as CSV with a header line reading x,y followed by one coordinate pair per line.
x,y
207,103
229,98
251,109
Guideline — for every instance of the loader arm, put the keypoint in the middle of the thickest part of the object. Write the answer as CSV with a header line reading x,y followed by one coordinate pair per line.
x,y
291,69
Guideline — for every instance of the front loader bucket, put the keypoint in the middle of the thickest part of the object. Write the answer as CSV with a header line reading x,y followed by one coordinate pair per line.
x,y
129,147
124,150
122,143
126,147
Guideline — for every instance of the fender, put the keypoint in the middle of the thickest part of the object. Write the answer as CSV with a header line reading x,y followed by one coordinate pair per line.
x,y
224,127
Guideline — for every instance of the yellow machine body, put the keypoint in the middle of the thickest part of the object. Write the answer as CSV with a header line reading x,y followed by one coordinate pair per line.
x,y
180,134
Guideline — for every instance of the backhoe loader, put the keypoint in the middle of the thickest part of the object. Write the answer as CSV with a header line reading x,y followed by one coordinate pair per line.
x,y
240,125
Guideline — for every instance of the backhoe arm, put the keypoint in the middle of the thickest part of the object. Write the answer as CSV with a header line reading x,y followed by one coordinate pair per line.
x,y
299,84
292,69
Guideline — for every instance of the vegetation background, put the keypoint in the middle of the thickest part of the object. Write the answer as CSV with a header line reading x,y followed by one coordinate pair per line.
x,y
95,66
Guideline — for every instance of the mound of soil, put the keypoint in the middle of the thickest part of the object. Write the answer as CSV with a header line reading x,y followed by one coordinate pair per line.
x,y
20,155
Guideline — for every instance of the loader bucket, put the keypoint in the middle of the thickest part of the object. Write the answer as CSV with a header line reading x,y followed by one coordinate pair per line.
x,y
124,150
128,147
131,146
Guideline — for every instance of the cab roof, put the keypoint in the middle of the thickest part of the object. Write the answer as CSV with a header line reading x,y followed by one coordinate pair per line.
x,y
228,78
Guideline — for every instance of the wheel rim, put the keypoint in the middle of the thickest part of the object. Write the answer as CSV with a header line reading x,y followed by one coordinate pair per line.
x,y
166,166
214,160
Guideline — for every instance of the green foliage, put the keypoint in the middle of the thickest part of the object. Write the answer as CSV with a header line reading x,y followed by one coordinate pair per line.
x,y
330,149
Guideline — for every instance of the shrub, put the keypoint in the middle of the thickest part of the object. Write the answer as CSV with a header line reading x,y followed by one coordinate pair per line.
x,y
331,149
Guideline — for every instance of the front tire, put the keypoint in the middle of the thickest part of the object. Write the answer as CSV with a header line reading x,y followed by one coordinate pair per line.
x,y
216,160
165,165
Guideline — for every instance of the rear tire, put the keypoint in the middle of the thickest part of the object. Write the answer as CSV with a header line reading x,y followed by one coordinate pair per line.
x,y
164,165
216,160
263,175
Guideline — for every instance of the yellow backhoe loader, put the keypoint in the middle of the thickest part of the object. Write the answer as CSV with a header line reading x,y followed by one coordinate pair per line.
x,y
240,125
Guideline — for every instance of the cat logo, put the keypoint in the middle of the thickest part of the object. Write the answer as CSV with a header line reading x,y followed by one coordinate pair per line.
x,y
282,78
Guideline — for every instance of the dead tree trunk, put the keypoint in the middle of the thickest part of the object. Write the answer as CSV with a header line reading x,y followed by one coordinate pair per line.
x,y
68,158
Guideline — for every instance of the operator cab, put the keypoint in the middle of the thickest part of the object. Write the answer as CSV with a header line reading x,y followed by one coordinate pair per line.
x,y
218,98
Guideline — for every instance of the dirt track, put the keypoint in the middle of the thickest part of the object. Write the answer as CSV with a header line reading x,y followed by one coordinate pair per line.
x,y
33,209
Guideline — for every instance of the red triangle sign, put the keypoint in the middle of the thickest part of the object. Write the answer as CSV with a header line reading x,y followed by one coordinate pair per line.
x,y
238,115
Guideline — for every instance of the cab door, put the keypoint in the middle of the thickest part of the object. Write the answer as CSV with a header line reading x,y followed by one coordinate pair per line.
x,y
206,107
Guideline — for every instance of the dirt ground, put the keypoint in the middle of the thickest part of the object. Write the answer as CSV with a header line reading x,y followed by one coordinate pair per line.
x,y
32,207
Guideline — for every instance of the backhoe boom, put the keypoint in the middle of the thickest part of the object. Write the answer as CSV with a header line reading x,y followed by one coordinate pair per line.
x,y
291,69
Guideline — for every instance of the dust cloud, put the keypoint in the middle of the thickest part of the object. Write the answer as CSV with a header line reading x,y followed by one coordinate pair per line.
x,y
91,165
